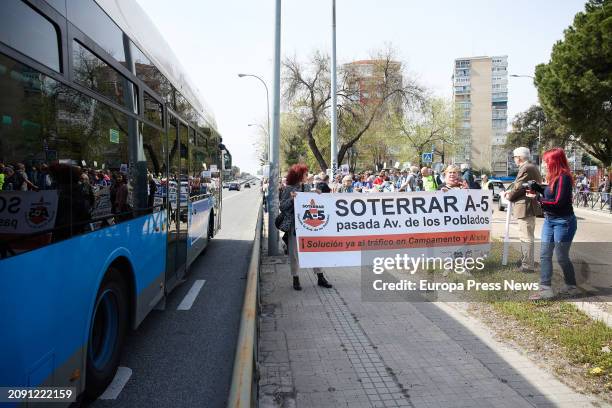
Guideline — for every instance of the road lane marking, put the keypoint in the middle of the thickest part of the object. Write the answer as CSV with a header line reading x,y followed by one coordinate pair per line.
x,y
234,195
191,295
116,386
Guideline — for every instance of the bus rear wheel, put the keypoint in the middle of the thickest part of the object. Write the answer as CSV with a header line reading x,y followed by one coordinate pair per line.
x,y
106,334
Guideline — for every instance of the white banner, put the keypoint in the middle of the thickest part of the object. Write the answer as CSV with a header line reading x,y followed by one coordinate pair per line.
x,y
334,229
27,212
103,206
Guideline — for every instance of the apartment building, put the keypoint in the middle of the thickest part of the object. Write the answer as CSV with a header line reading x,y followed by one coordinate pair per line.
x,y
480,95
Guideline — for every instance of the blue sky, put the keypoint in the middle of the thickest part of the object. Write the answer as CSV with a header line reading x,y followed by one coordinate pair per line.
x,y
216,40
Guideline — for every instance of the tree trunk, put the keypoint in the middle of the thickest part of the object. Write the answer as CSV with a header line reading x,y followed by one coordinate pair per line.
x,y
316,152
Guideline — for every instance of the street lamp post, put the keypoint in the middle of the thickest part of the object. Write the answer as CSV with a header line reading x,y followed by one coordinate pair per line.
x,y
272,144
267,103
539,121
267,145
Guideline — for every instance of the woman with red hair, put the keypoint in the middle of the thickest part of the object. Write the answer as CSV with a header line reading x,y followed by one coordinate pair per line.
x,y
559,224
296,182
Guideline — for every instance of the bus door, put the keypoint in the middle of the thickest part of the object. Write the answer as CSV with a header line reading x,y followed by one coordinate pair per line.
x,y
178,196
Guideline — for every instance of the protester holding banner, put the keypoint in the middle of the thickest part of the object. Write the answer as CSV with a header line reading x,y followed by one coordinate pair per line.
x,y
452,179
296,179
525,209
559,223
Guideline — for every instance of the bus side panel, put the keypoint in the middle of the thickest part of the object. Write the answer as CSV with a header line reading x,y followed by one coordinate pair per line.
x,y
199,216
47,297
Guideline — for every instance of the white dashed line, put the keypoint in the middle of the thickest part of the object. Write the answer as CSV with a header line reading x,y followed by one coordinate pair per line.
x,y
191,295
116,386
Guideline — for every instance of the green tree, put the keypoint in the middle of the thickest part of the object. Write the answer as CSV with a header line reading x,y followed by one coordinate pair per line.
x,y
293,148
575,87
528,125
427,127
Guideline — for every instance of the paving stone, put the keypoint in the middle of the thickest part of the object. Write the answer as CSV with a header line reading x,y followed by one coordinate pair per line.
x,y
316,344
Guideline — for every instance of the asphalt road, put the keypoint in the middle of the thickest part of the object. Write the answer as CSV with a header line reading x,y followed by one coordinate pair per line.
x,y
184,358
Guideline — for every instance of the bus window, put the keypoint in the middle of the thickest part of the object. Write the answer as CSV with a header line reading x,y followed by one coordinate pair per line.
x,y
148,73
64,156
24,29
150,191
153,110
92,72
93,21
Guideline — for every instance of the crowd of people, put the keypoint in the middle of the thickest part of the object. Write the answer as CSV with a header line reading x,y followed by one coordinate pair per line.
x,y
530,198
394,180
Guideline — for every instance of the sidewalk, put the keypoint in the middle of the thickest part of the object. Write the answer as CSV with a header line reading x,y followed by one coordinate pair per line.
x,y
326,348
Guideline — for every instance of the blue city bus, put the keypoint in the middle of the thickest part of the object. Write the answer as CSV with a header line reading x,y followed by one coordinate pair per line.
x,y
110,185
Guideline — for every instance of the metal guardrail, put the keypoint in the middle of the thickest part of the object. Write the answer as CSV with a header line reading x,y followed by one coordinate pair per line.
x,y
594,200
243,392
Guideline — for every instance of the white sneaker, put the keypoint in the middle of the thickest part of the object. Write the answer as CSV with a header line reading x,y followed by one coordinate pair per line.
x,y
544,293
569,291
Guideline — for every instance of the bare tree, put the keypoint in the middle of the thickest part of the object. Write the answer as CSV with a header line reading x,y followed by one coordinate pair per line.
x,y
307,91
383,92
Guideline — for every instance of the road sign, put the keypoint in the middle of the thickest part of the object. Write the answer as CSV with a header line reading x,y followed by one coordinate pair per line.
x,y
427,157
114,135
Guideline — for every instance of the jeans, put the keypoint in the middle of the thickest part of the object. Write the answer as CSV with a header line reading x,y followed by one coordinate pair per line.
x,y
605,198
557,236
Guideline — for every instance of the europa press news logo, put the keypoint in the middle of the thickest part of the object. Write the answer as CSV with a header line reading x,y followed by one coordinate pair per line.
x,y
39,214
314,217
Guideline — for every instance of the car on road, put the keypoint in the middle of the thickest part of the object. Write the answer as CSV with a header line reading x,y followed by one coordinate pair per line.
x,y
234,186
247,185
226,185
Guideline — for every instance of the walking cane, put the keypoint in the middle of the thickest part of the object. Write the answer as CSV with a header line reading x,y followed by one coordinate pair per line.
x,y
507,234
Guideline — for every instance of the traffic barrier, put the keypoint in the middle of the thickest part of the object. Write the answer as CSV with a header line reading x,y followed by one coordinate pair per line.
x,y
243,391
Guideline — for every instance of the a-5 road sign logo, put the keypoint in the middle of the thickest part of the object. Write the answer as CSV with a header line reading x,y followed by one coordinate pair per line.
x,y
313,216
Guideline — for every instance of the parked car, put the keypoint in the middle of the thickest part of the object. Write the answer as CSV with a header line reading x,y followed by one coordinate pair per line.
x,y
234,186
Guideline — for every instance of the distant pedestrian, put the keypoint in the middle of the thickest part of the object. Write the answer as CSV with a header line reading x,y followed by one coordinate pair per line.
x,y
484,182
323,184
429,181
468,176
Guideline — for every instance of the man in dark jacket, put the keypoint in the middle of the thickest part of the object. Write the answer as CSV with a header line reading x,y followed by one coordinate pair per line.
x,y
468,176
524,209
